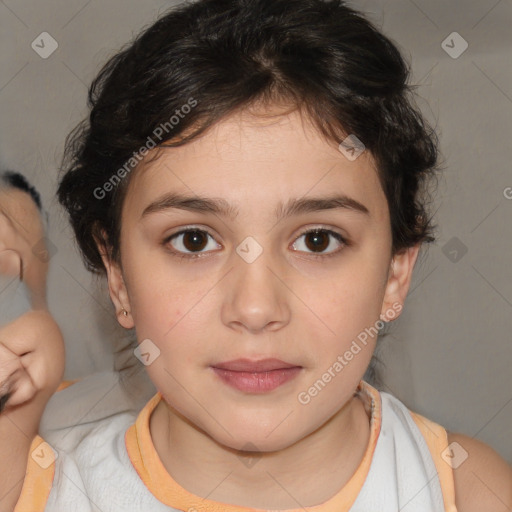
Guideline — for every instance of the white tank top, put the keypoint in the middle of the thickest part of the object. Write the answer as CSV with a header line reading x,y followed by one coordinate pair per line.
x,y
95,454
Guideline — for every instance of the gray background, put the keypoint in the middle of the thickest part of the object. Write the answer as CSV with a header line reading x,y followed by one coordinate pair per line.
x,y
448,356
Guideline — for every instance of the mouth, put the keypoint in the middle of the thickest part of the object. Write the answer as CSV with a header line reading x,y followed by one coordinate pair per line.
x,y
252,376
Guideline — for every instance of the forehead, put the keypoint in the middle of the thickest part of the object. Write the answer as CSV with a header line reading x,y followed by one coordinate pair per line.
x,y
257,160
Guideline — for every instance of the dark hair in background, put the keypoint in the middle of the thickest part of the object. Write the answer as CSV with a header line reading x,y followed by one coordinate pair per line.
x,y
16,180
319,56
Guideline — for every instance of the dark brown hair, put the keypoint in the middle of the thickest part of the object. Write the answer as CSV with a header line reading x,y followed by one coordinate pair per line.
x,y
219,56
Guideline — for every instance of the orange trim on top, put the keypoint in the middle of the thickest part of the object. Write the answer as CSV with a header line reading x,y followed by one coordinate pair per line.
x,y
40,471
39,477
66,383
437,441
152,472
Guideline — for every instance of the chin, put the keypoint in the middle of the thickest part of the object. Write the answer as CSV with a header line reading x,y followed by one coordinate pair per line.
x,y
255,444
256,438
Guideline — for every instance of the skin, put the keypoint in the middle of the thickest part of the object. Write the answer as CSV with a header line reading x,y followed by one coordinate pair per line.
x,y
32,359
21,230
484,480
286,304
32,354
31,346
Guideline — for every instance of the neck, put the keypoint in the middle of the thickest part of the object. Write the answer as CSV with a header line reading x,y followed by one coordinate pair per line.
x,y
271,480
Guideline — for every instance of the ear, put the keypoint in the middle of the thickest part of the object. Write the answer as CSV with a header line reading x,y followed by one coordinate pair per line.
x,y
398,282
116,285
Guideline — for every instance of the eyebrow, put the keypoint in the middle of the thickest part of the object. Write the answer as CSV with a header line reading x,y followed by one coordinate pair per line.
x,y
221,207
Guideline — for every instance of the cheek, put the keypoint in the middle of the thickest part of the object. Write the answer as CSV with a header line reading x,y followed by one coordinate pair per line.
x,y
151,286
347,317
158,310
167,310
353,299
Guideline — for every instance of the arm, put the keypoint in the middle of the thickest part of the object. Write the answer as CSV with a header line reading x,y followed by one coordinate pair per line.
x,y
31,347
31,368
483,482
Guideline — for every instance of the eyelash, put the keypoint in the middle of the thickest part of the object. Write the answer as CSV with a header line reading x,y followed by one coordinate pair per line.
x,y
181,255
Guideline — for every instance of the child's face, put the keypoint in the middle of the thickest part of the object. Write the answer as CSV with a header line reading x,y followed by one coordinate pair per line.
x,y
285,304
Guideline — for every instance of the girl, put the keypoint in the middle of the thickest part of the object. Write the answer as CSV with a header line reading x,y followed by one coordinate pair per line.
x,y
251,180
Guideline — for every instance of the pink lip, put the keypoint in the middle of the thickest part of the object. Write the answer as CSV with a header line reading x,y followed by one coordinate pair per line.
x,y
256,376
248,365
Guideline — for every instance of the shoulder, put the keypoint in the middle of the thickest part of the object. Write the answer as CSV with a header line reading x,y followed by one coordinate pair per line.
x,y
483,481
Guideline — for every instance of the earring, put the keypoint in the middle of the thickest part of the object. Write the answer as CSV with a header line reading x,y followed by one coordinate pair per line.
x,y
125,313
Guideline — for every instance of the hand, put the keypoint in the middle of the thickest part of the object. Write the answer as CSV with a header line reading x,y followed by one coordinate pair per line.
x,y
32,359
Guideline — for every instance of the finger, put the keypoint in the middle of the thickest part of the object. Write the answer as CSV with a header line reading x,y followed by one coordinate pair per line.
x,y
35,366
22,388
17,337
9,363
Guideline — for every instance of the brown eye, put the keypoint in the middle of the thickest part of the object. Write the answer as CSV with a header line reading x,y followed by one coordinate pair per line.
x,y
318,241
194,240
190,241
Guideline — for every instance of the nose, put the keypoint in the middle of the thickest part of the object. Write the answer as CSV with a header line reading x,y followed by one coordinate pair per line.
x,y
255,297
